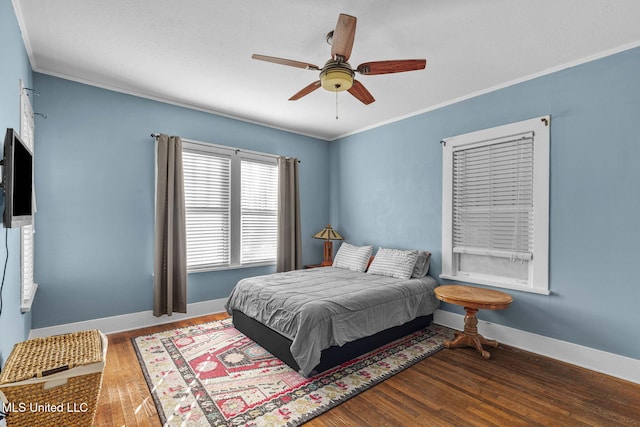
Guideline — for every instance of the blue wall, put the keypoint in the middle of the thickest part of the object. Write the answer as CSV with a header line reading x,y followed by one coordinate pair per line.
x,y
387,190
95,197
94,177
14,326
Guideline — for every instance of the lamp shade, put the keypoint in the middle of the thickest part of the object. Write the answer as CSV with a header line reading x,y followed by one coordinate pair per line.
x,y
328,233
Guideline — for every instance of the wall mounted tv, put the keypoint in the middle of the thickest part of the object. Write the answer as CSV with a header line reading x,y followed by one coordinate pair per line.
x,y
17,181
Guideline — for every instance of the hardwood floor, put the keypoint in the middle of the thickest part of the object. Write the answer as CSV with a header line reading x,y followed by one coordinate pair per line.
x,y
453,387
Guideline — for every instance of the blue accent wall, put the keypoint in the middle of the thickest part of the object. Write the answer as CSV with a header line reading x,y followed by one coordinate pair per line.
x,y
14,326
387,190
95,196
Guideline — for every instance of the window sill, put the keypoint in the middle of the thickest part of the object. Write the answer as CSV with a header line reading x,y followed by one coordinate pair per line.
x,y
230,267
25,307
496,284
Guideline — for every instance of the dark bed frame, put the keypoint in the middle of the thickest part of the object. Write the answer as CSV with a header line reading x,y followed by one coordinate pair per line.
x,y
279,346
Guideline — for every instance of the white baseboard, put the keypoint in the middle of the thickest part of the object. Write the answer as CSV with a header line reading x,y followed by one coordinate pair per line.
x,y
615,365
126,322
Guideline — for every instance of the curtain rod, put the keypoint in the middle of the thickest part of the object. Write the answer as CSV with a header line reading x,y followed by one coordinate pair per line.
x,y
157,135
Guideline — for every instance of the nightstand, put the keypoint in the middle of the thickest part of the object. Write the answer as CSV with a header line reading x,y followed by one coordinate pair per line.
x,y
313,266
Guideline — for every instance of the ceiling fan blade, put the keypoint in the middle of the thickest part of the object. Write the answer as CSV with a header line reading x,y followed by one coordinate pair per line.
x,y
343,36
359,91
283,61
388,67
305,91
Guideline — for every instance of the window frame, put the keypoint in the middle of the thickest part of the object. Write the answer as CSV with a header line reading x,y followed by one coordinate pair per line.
x,y
538,267
28,286
236,156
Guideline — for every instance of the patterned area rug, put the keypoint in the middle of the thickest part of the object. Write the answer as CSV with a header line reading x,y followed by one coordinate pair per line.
x,y
213,375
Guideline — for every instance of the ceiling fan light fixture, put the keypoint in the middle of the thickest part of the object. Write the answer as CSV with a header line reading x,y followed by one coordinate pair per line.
x,y
336,79
337,75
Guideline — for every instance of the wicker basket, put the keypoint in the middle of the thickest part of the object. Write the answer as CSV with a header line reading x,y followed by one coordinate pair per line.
x,y
54,381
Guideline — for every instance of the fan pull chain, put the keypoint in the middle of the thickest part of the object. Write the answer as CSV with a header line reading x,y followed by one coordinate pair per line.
x,y
336,105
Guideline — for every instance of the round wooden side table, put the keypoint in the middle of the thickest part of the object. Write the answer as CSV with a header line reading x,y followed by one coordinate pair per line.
x,y
472,299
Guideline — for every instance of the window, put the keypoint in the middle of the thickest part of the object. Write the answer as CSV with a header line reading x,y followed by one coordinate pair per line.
x,y
28,286
259,211
231,199
495,215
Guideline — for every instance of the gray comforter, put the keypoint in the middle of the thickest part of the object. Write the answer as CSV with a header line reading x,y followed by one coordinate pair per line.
x,y
322,307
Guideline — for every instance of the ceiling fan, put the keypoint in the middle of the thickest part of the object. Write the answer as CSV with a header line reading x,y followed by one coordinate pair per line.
x,y
337,75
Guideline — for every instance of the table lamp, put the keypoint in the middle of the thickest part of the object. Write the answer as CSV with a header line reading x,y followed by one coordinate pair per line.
x,y
328,234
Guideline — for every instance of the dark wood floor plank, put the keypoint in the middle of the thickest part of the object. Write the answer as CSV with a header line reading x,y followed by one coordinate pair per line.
x,y
452,387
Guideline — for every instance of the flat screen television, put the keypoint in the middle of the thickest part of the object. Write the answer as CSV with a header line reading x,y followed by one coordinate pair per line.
x,y
17,181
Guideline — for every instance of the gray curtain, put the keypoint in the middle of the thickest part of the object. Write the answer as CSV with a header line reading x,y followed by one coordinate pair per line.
x,y
289,240
170,269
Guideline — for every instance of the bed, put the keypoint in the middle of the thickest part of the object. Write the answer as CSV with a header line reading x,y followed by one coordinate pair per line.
x,y
317,318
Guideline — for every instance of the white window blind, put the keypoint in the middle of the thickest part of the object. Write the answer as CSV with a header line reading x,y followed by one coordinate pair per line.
x,y
493,198
28,285
495,206
207,183
231,207
259,211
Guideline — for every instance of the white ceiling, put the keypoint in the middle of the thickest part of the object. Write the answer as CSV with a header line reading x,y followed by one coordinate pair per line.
x,y
197,53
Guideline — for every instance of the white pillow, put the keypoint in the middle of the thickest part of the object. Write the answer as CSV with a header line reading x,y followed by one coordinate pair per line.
x,y
394,263
354,258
